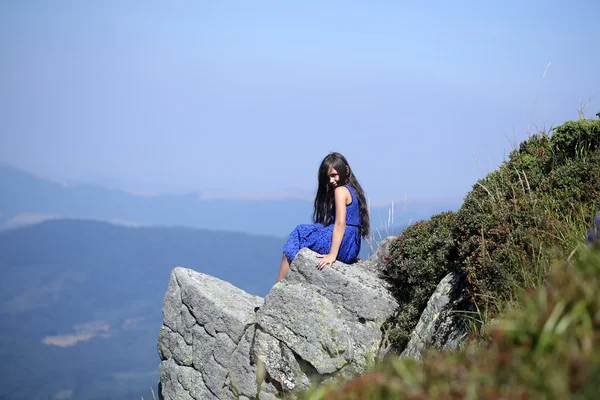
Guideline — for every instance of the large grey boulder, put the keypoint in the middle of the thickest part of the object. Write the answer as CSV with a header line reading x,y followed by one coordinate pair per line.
x,y
439,325
330,319
312,326
204,342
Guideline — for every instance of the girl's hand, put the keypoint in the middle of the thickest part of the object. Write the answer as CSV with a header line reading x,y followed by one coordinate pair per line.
x,y
325,259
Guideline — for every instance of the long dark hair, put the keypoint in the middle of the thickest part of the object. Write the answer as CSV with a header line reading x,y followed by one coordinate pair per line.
x,y
324,199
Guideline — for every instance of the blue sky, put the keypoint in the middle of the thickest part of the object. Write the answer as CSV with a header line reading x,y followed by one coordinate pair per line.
x,y
232,98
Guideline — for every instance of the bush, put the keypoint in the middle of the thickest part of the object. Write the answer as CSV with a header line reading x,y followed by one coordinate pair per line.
x,y
496,234
418,259
528,212
576,139
512,224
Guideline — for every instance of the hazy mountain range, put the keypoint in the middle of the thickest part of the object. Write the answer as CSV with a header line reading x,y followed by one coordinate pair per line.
x,y
28,198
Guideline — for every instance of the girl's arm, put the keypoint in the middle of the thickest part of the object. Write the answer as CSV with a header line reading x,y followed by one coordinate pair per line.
x,y
342,198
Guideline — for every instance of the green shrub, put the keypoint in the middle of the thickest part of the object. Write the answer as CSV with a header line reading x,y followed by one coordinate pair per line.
x,y
496,233
528,212
418,259
531,162
512,224
576,139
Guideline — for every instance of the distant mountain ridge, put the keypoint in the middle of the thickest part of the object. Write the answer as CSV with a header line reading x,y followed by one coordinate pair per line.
x,y
28,198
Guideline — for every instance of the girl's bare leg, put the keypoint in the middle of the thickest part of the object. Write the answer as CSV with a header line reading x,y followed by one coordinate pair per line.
x,y
284,267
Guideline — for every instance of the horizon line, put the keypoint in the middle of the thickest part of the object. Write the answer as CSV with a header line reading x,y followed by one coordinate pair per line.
x,y
276,194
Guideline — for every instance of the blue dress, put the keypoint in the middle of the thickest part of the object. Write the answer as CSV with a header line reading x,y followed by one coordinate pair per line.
x,y
317,237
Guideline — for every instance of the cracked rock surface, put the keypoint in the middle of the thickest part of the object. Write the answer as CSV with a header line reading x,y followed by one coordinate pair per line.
x,y
312,326
439,325
204,342
331,318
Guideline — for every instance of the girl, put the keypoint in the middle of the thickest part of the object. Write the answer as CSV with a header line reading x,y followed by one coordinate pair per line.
x,y
340,218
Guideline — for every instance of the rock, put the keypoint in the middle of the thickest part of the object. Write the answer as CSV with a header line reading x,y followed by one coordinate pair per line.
x,y
439,326
330,318
312,326
279,363
205,339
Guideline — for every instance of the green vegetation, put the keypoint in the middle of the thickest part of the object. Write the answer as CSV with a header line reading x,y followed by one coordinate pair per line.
x,y
418,260
532,210
520,230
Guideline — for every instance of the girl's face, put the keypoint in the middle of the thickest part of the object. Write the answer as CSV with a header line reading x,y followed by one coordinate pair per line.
x,y
334,177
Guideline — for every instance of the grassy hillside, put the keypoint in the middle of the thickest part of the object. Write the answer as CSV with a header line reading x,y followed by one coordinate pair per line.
x,y
513,228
